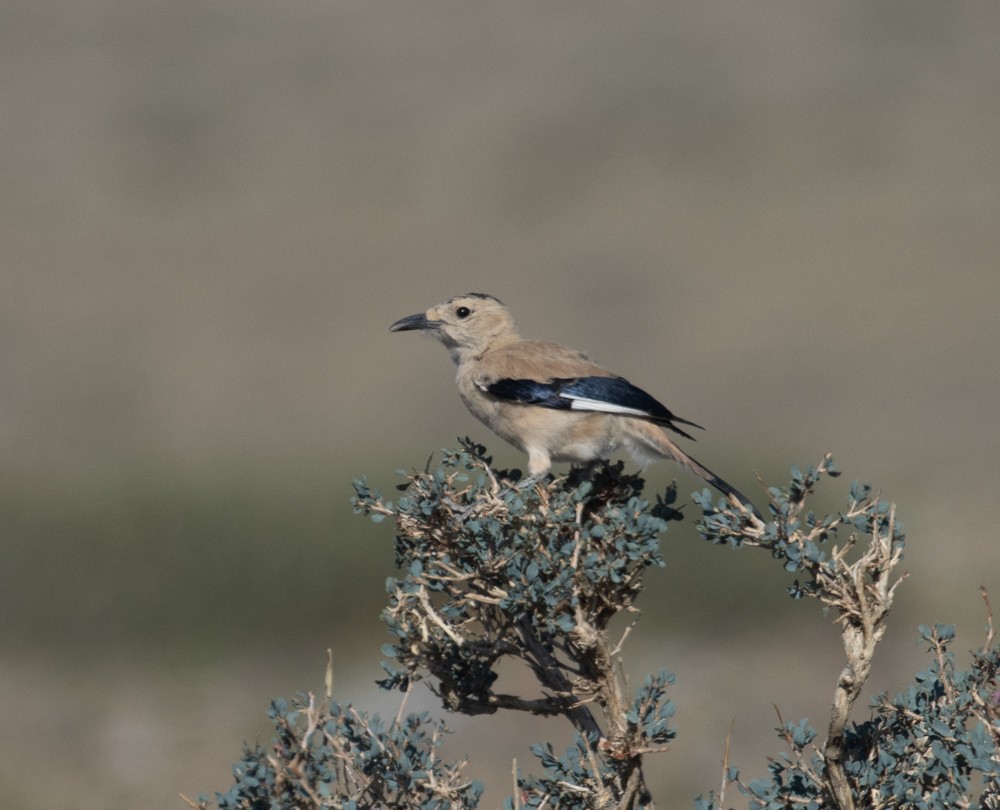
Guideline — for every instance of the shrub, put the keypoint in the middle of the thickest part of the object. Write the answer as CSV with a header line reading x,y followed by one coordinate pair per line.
x,y
492,567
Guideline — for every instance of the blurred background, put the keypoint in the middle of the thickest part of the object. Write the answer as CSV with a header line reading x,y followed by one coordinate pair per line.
x,y
780,219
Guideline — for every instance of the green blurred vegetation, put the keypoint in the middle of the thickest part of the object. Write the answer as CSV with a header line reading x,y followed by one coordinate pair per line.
x,y
170,564
194,565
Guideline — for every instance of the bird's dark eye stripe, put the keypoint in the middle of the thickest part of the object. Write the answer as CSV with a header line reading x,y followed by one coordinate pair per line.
x,y
463,312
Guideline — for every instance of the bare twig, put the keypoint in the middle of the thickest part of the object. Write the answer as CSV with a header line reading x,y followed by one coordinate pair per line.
x,y
425,601
988,643
517,787
862,594
725,764
402,703
328,676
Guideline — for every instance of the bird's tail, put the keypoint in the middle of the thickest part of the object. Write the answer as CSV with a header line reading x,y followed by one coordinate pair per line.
x,y
649,442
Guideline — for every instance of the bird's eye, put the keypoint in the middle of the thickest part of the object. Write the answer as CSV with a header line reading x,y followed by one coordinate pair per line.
x,y
463,312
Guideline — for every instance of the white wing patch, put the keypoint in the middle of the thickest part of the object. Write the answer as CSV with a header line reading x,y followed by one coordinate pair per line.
x,y
585,404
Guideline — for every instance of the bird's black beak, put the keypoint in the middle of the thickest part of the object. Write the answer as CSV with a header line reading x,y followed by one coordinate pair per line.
x,y
411,322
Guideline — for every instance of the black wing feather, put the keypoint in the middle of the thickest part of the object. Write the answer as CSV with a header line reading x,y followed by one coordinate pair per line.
x,y
561,392
530,392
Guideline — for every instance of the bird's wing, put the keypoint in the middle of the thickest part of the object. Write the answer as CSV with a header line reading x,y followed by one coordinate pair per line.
x,y
613,395
547,375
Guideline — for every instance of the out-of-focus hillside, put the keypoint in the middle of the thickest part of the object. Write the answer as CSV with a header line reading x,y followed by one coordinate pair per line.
x,y
781,220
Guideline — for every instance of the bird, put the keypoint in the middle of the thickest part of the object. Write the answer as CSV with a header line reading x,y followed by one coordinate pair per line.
x,y
550,401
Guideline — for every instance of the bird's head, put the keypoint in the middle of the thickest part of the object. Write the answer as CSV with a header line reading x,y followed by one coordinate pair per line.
x,y
467,324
